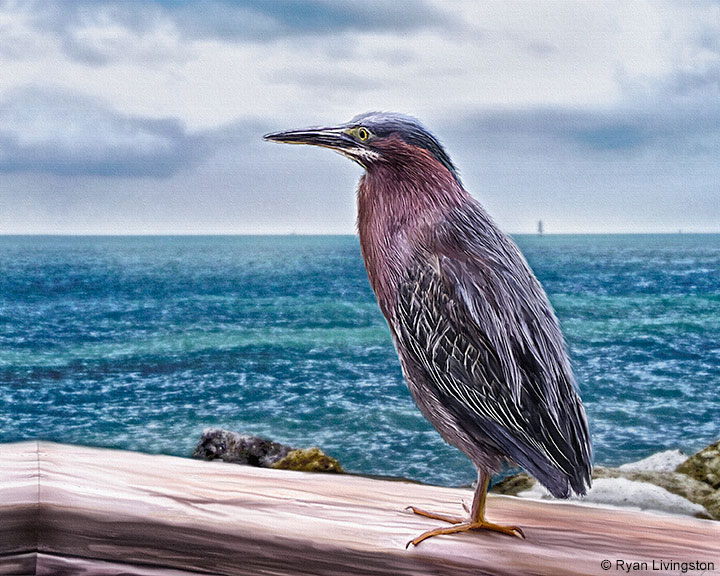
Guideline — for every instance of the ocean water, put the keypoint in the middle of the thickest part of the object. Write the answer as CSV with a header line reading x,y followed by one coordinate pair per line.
x,y
142,342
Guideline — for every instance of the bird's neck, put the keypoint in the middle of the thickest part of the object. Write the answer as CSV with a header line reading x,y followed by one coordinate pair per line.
x,y
399,205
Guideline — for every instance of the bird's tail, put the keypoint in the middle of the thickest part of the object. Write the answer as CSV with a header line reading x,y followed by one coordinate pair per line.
x,y
559,483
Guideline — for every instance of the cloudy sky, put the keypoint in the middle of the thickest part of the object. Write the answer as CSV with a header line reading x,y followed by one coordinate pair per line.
x,y
147,116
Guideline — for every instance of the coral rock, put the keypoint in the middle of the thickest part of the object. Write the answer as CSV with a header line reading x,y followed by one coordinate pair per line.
x,y
309,460
704,466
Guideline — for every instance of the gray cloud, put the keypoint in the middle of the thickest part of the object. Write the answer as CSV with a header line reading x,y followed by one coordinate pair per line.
x,y
64,133
540,48
245,20
324,81
692,129
103,31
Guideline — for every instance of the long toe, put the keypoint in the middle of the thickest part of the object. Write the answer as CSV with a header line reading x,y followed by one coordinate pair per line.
x,y
435,516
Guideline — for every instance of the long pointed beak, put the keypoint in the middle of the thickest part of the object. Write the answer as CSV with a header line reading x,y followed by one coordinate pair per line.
x,y
334,138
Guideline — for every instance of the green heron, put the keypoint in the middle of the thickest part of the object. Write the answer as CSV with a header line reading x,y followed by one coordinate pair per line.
x,y
478,341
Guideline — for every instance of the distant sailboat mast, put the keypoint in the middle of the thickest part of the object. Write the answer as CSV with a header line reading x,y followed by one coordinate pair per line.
x,y
540,228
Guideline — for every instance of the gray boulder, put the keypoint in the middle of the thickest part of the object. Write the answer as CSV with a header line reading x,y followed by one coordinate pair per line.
x,y
219,444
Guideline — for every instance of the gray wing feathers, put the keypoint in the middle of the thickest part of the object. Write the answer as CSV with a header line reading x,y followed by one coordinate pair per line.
x,y
479,327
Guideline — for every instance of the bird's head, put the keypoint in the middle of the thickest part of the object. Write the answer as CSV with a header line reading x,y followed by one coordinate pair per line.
x,y
375,137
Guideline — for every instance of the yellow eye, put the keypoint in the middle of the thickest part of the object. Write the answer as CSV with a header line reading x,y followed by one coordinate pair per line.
x,y
362,134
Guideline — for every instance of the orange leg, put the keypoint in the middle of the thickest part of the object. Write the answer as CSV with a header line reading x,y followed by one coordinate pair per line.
x,y
477,517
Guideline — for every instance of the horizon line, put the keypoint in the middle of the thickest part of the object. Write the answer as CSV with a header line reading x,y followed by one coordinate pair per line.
x,y
260,234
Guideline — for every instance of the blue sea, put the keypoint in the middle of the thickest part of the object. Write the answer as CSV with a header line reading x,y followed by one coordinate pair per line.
x,y
142,342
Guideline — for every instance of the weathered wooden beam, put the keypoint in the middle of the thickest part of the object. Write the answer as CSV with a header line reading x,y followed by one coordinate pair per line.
x,y
76,510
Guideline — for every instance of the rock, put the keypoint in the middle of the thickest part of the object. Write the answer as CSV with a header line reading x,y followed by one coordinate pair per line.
x,y
704,466
513,485
308,460
666,461
712,504
626,493
674,482
219,444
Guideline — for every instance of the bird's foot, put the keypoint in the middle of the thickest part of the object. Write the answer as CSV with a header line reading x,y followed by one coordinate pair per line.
x,y
464,527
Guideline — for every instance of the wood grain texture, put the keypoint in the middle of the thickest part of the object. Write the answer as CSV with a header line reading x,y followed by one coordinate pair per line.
x,y
76,510
19,508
